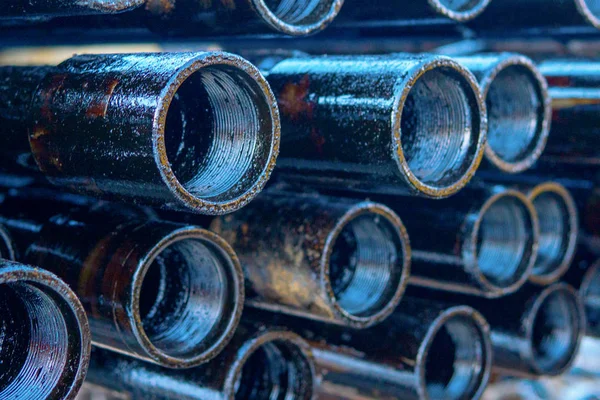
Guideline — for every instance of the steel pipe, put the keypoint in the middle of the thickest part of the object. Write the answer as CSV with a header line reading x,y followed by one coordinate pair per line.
x,y
43,9
196,131
167,293
260,363
482,242
44,335
399,124
330,259
519,109
584,275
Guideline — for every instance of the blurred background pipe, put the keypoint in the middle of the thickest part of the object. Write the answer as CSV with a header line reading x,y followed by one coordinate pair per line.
x,y
519,110
197,131
167,293
41,9
44,335
400,124
261,362
584,275
330,259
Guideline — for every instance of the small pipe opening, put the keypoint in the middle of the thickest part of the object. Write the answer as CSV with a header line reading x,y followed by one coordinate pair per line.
x,y
300,12
216,133
440,127
590,295
516,114
275,370
186,301
461,6
555,229
591,10
505,242
34,343
365,266
555,332
455,362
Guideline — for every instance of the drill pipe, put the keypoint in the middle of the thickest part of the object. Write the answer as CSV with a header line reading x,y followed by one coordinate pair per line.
x,y
539,16
518,105
44,335
424,350
483,241
259,363
410,124
43,9
575,107
329,259
133,126
584,275
162,292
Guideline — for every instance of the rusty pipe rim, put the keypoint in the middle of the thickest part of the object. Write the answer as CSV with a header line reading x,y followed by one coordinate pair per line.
x,y
458,149
469,333
298,17
557,213
530,89
191,337
285,354
111,6
465,12
61,319
553,326
501,264
237,93
367,288
590,10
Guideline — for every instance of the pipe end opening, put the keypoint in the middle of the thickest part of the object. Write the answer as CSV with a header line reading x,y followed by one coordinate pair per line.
x,y
590,294
460,10
590,9
299,17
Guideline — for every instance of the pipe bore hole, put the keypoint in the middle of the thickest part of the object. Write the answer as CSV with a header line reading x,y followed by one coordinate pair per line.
x,y
455,363
300,12
555,332
366,265
34,343
593,6
216,133
440,127
516,114
185,301
555,231
461,6
276,370
505,242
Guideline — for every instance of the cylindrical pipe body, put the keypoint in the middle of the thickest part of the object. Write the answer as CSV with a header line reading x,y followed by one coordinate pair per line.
x,y
44,335
584,275
163,292
411,124
181,130
482,241
259,363
330,259
42,9
518,105
574,88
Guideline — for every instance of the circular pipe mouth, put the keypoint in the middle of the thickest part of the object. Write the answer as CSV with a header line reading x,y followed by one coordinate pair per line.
x,y
554,329
111,6
459,10
519,111
218,133
504,243
366,264
558,224
440,128
589,293
276,365
455,360
590,10
187,298
298,17
44,336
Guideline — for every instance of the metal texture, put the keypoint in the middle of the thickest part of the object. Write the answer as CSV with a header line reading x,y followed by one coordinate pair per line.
x,y
163,292
411,124
44,335
518,105
260,363
483,241
41,9
584,275
330,259
198,131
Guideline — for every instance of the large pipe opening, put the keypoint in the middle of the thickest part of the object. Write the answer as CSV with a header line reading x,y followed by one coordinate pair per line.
x,y
366,265
219,133
278,369
440,128
505,240
590,10
455,365
187,302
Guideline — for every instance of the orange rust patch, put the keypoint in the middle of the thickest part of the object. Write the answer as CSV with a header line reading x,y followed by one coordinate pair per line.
x,y
98,107
293,100
160,7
